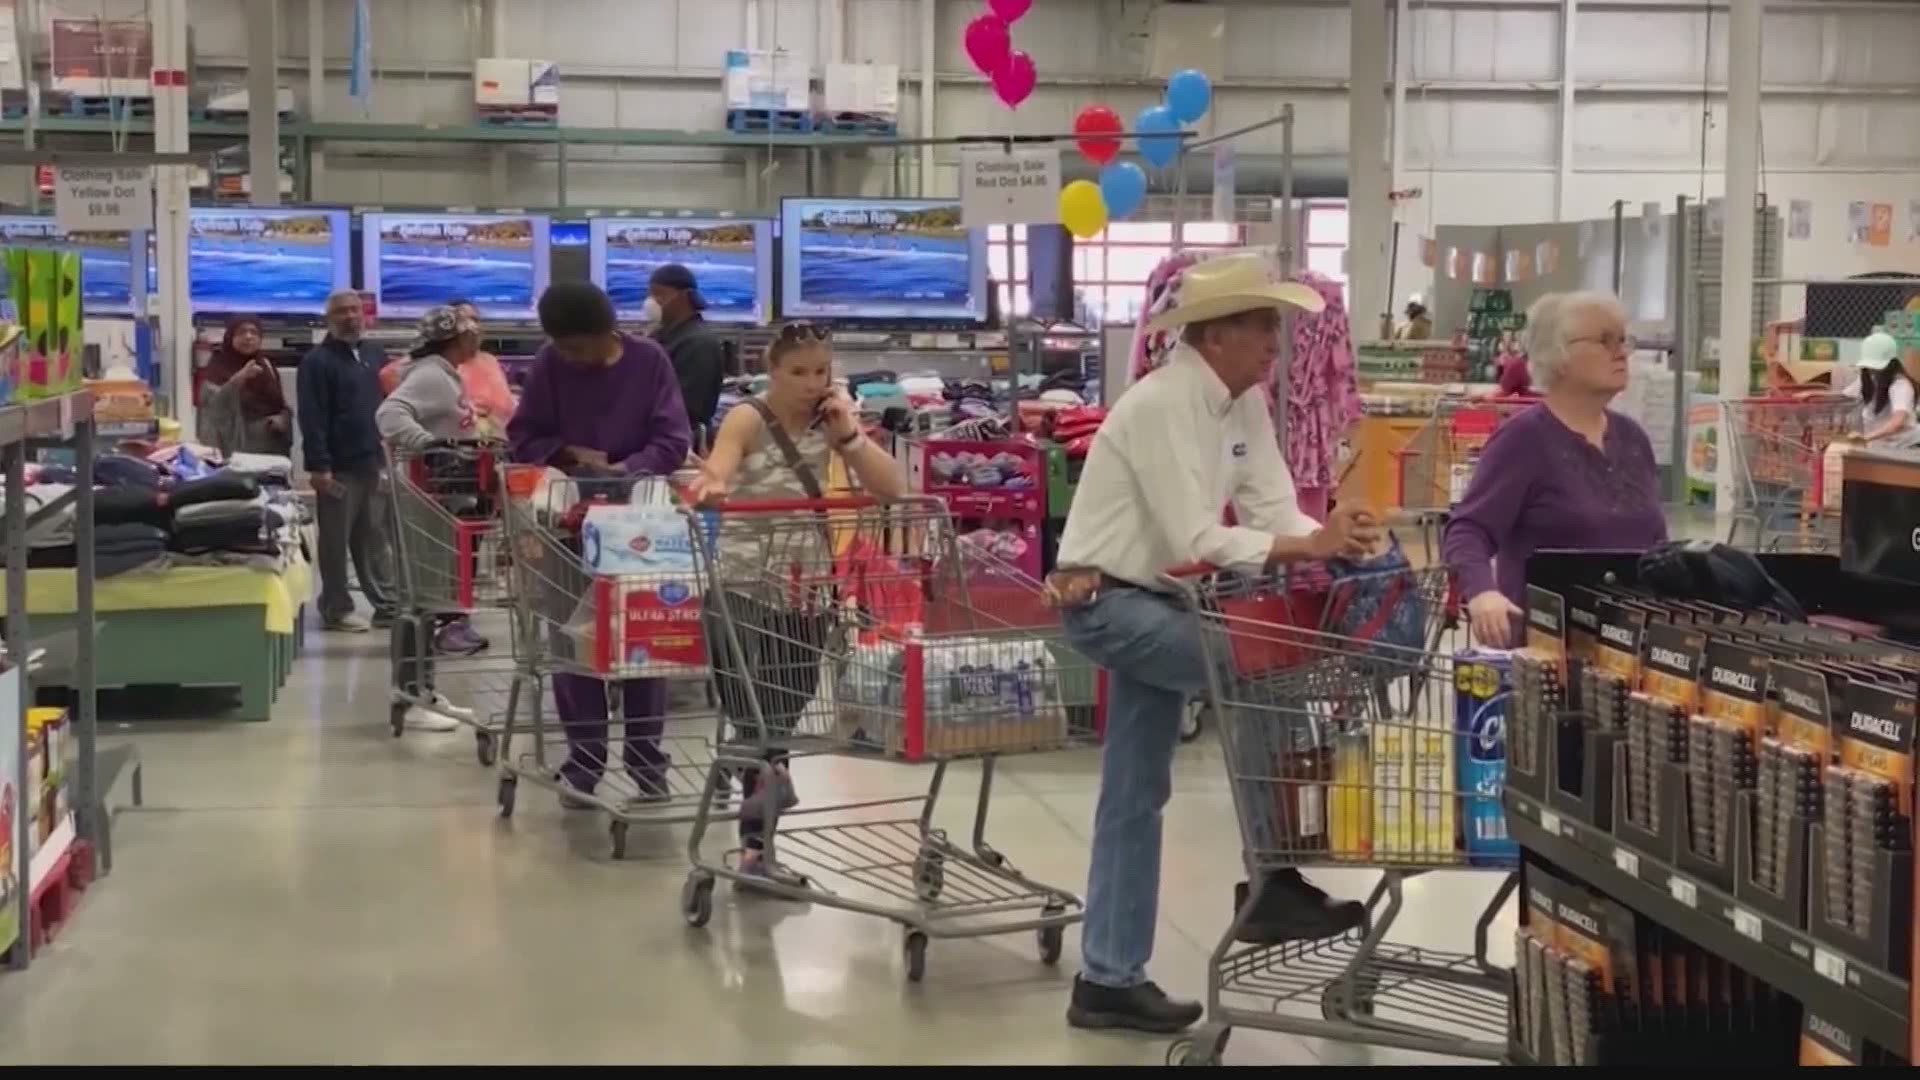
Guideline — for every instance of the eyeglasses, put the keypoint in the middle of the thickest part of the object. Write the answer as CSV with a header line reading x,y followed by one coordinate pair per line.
x,y
1609,342
799,332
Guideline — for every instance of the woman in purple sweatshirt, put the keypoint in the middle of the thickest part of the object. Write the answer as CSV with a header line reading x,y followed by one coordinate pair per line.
x,y
1566,473
600,404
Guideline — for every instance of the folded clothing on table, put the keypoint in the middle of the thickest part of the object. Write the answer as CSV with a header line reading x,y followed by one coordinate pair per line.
x,y
251,529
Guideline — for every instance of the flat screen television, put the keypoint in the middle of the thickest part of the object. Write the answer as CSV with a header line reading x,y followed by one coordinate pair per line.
x,y
731,260
412,262
106,268
267,262
895,259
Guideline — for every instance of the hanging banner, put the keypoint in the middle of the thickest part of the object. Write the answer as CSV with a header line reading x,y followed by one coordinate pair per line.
x,y
1546,257
1880,224
1000,187
1799,219
1913,221
1857,222
1224,186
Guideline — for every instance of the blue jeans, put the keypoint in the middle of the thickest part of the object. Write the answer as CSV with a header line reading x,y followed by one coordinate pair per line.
x,y
1150,648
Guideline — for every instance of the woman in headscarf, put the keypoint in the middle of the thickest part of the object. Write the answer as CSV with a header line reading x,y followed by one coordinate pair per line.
x,y
243,403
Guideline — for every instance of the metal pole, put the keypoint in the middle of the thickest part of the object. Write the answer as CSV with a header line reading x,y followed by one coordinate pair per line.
x,y
1619,243
1742,170
263,106
1289,265
87,795
16,541
1682,347
1180,201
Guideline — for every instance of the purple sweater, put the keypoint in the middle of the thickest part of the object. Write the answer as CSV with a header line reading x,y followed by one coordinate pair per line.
x,y
629,410
1540,485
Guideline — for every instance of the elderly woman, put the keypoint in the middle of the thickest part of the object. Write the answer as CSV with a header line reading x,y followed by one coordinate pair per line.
x,y
1566,473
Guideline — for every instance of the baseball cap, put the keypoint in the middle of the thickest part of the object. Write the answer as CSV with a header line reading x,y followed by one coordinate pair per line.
x,y
1878,350
440,324
676,276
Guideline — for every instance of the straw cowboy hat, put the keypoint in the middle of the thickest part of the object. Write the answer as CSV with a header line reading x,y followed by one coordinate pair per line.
x,y
1229,285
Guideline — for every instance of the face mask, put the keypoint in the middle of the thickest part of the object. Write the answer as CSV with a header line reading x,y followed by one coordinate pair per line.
x,y
650,311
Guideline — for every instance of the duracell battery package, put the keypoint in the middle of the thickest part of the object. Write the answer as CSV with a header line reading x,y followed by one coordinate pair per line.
x,y
1614,670
1583,623
1723,740
1657,715
1540,691
1863,804
1791,763
1824,1042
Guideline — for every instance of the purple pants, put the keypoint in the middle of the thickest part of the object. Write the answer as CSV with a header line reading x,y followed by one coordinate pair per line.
x,y
582,704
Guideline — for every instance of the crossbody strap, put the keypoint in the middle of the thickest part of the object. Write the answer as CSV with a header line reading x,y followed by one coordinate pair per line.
x,y
808,481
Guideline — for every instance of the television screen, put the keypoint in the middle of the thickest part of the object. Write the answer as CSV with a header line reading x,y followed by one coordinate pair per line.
x,y
881,259
731,260
267,262
567,232
106,271
413,261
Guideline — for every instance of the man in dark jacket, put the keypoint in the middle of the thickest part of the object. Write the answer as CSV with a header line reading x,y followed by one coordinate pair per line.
x,y
699,356
339,389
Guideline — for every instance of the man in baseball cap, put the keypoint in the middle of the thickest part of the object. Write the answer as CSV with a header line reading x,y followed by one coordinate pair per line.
x,y
699,357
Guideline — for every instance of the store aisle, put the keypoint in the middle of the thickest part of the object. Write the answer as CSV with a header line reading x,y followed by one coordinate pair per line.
x,y
311,890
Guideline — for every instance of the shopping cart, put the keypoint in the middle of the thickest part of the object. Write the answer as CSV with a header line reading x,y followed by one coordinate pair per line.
x,y
1436,466
1779,446
596,641
855,627
452,585
1346,751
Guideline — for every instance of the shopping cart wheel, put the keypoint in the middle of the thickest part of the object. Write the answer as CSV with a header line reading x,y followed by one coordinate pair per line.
x,y
618,832
483,748
509,786
397,716
696,899
929,876
916,956
1194,720
1204,1048
1052,940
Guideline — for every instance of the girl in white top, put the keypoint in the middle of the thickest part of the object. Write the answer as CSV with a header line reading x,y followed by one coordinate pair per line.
x,y
1886,394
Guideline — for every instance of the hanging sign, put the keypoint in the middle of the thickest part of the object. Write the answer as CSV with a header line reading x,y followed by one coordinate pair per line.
x,y
103,198
1001,187
1224,182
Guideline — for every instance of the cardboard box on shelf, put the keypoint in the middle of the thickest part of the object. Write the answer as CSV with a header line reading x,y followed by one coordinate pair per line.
x,y
231,99
503,83
763,79
873,89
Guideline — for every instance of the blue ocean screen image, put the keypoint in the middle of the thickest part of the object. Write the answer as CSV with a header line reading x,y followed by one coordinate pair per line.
x,y
416,261
728,260
266,262
106,271
882,259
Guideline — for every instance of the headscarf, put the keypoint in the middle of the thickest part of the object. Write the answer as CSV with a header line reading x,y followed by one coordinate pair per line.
x,y
259,398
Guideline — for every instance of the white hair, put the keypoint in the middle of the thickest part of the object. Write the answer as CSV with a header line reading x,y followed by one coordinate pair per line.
x,y
340,294
1547,330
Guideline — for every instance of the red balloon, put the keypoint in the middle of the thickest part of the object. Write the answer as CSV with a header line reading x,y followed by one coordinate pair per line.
x,y
1014,80
1093,121
987,43
1010,10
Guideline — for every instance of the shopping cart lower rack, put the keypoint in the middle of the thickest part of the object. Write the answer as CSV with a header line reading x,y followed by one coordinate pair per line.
x,y
452,647
602,642
1347,752
856,628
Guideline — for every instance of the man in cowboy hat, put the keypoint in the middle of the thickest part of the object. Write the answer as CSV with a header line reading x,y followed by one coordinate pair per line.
x,y
1179,445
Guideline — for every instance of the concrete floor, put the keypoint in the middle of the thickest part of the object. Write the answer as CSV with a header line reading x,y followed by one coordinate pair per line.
x,y
311,890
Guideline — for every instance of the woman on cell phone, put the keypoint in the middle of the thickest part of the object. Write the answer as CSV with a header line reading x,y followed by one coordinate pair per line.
x,y
779,445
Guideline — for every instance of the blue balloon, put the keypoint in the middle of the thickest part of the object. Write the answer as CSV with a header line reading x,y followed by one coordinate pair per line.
x,y
1123,186
1188,95
1159,149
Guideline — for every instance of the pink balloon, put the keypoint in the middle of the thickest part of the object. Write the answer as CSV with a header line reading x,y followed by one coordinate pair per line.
x,y
1014,80
1010,10
987,41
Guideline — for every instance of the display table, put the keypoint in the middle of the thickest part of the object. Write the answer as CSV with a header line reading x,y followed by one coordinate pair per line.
x,y
188,626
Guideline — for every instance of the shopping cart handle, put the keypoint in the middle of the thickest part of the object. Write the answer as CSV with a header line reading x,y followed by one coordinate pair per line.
x,y
791,506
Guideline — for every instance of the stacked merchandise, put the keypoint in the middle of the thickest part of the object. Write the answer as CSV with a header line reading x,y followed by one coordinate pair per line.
x,y
978,693
1493,331
1744,759
51,752
994,492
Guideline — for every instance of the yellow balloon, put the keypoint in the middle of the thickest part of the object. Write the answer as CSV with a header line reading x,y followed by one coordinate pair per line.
x,y
1082,209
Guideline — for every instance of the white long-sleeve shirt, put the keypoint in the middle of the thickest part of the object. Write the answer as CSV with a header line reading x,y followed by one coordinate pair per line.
x,y
1176,448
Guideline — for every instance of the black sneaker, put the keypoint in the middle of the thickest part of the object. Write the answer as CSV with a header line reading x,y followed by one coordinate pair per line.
x,y
1291,909
1143,1008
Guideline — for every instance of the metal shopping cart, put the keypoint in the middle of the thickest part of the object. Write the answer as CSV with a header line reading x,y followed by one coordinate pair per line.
x,y
1436,465
1779,447
453,589
1345,750
607,641
854,627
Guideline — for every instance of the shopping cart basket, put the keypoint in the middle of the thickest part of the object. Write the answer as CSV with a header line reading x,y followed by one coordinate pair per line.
x,y
447,540
1779,447
1436,466
1346,751
590,625
855,627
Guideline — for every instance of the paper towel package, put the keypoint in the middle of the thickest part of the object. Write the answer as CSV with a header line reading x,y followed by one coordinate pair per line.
x,y
646,591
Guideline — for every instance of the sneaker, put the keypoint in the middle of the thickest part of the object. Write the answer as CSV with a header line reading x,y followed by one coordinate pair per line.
x,y
420,719
458,639
758,868
346,624
382,619
445,707
1142,1008
1292,909
755,806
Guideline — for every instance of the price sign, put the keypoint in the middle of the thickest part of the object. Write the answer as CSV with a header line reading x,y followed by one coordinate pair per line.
x,y
1550,821
1746,923
998,187
1627,862
101,198
1830,965
1684,891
